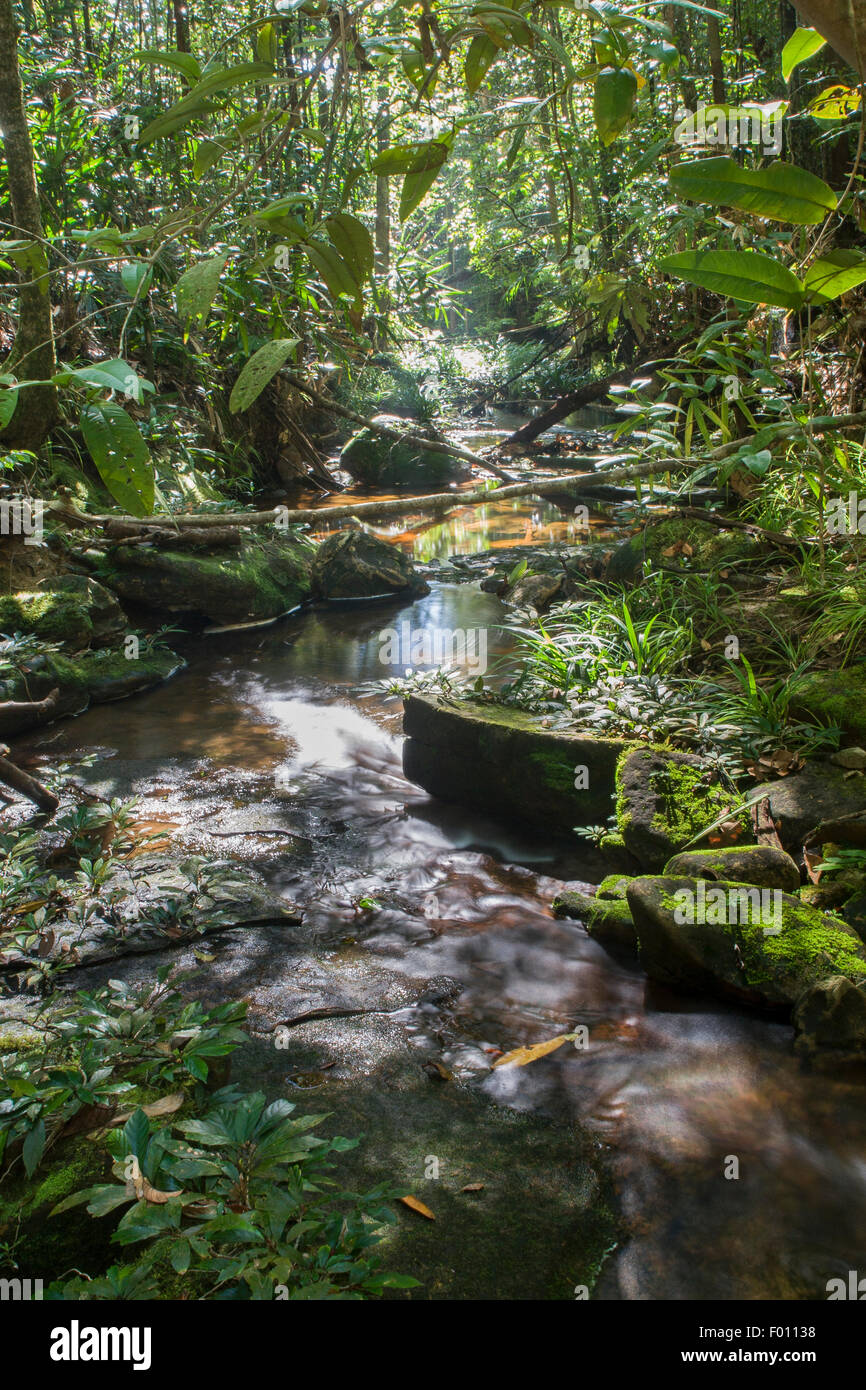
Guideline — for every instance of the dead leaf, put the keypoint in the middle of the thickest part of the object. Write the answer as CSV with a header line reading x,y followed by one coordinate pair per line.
x,y
813,860
414,1205
521,1056
166,1106
473,1187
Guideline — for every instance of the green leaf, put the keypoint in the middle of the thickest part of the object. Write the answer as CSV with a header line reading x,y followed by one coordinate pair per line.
x,y
802,44
135,276
332,268
114,375
177,116
613,101
207,152
351,240
748,276
8,402
34,1146
183,62
416,186
757,463
266,45
781,191
196,289
222,79
121,456
259,370
479,60
835,274
835,103
400,159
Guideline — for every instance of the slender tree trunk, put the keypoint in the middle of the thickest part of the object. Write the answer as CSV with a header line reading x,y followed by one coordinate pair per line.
x,y
383,213
716,65
843,24
32,354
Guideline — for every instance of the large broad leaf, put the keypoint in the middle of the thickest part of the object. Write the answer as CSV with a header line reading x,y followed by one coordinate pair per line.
x,y
353,242
613,101
333,269
418,181
479,60
182,62
782,191
802,44
835,274
399,159
257,372
747,276
196,289
121,456
175,118
223,79
115,375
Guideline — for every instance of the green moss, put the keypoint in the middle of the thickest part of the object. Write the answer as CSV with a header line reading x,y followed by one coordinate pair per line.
x,y
690,805
555,769
373,459
613,886
833,697
54,617
48,1246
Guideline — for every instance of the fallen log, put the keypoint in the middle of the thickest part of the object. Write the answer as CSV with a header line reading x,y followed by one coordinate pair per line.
x,y
20,781
16,715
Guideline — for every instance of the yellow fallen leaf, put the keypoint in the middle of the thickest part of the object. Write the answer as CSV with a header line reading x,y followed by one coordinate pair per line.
x,y
521,1055
415,1205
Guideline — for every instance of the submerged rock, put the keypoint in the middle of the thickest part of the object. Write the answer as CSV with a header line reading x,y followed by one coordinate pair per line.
x,y
374,459
262,581
761,865
356,564
665,800
756,946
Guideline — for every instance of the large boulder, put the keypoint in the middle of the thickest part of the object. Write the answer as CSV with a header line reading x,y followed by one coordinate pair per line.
x,y
830,1023
665,800
87,678
822,795
356,565
377,461
833,697
761,865
263,580
756,946
677,543
502,761
71,611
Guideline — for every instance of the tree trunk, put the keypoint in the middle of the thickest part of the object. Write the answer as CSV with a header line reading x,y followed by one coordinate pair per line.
x,y
716,65
32,354
843,24
383,217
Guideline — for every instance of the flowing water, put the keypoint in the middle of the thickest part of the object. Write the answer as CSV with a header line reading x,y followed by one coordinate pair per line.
x,y
272,746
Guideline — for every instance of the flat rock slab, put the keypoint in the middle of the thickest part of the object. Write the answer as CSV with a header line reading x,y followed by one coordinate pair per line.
x,y
821,793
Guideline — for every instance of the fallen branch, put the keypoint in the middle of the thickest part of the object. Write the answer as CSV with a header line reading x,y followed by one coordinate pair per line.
x,y
22,782
16,715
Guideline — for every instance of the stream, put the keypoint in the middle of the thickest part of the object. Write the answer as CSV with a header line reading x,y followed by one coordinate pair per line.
x,y
460,959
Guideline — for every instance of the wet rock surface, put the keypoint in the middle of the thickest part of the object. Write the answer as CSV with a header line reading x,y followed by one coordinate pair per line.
x,y
357,565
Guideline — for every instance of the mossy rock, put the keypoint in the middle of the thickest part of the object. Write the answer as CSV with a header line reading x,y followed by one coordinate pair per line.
x,y
761,865
836,698
49,1245
665,801
60,618
504,762
613,886
767,963
358,565
377,461
263,580
680,543
607,920
91,677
